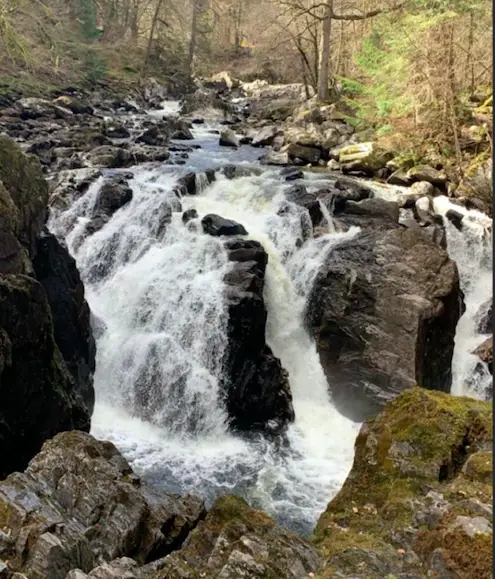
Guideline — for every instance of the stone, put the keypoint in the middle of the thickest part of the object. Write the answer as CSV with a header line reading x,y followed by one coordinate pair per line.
x,y
291,174
228,139
23,179
363,157
154,137
116,131
455,217
237,541
280,158
422,439
114,194
217,226
189,215
56,270
81,506
383,311
111,157
310,155
423,189
257,391
429,174
484,318
37,395
264,137
485,353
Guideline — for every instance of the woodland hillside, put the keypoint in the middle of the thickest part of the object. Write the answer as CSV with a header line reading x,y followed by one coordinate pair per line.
x,y
413,71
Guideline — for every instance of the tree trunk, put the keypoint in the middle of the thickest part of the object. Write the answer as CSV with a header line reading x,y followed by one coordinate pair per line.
x,y
150,40
324,64
193,40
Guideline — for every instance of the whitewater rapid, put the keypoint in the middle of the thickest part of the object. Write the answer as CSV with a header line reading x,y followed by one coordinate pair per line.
x,y
160,310
157,296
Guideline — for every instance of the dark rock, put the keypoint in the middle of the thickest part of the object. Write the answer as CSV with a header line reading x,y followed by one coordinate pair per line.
x,y
291,174
113,195
116,131
427,173
188,184
308,155
399,177
153,136
217,225
37,394
81,505
57,272
383,311
455,217
299,195
23,179
484,318
485,353
228,139
189,215
256,386
74,105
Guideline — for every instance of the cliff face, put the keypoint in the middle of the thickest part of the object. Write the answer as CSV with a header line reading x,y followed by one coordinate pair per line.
x,y
46,383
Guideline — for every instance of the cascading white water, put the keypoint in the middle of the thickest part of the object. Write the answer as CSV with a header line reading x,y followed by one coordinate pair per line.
x,y
471,249
159,295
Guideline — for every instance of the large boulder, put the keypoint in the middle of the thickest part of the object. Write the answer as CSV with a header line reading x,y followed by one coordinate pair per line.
x,y
485,353
383,310
217,226
114,194
37,394
484,318
56,270
23,179
363,158
237,541
78,505
228,139
417,502
307,154
257,390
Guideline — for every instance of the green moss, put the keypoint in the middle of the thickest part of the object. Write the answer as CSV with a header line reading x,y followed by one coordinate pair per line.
x,y
420,440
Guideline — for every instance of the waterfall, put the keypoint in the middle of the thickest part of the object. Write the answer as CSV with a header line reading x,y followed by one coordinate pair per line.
x,y
471,249
158,292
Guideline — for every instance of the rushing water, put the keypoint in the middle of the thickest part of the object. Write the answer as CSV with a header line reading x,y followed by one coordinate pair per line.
x,y
160,305
157,293
471,249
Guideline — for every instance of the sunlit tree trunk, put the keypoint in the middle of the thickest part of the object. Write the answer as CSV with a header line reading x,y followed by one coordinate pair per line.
x,y
324,64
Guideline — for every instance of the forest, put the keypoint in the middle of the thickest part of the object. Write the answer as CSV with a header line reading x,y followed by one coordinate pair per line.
x,y
412,70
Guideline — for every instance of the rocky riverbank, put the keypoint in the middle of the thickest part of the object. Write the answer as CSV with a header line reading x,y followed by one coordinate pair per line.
x,y
383,311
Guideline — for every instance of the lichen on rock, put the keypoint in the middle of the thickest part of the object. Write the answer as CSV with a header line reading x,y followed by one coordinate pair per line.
x,y
409,482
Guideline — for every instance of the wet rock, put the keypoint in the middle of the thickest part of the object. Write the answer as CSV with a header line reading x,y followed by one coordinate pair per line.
x,y
188,184
153,136
399,177
180,130
70,185
237,541
37,394
291,174
375,214
424,189
422,210
35,108
57,272
217,226
228,138
82,506
257,391
455,217
485,353
189,215
113,195
383,311
484,318
411,523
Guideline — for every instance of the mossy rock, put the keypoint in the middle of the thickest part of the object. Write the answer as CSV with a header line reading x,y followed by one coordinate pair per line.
x,y
23,179
420,442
